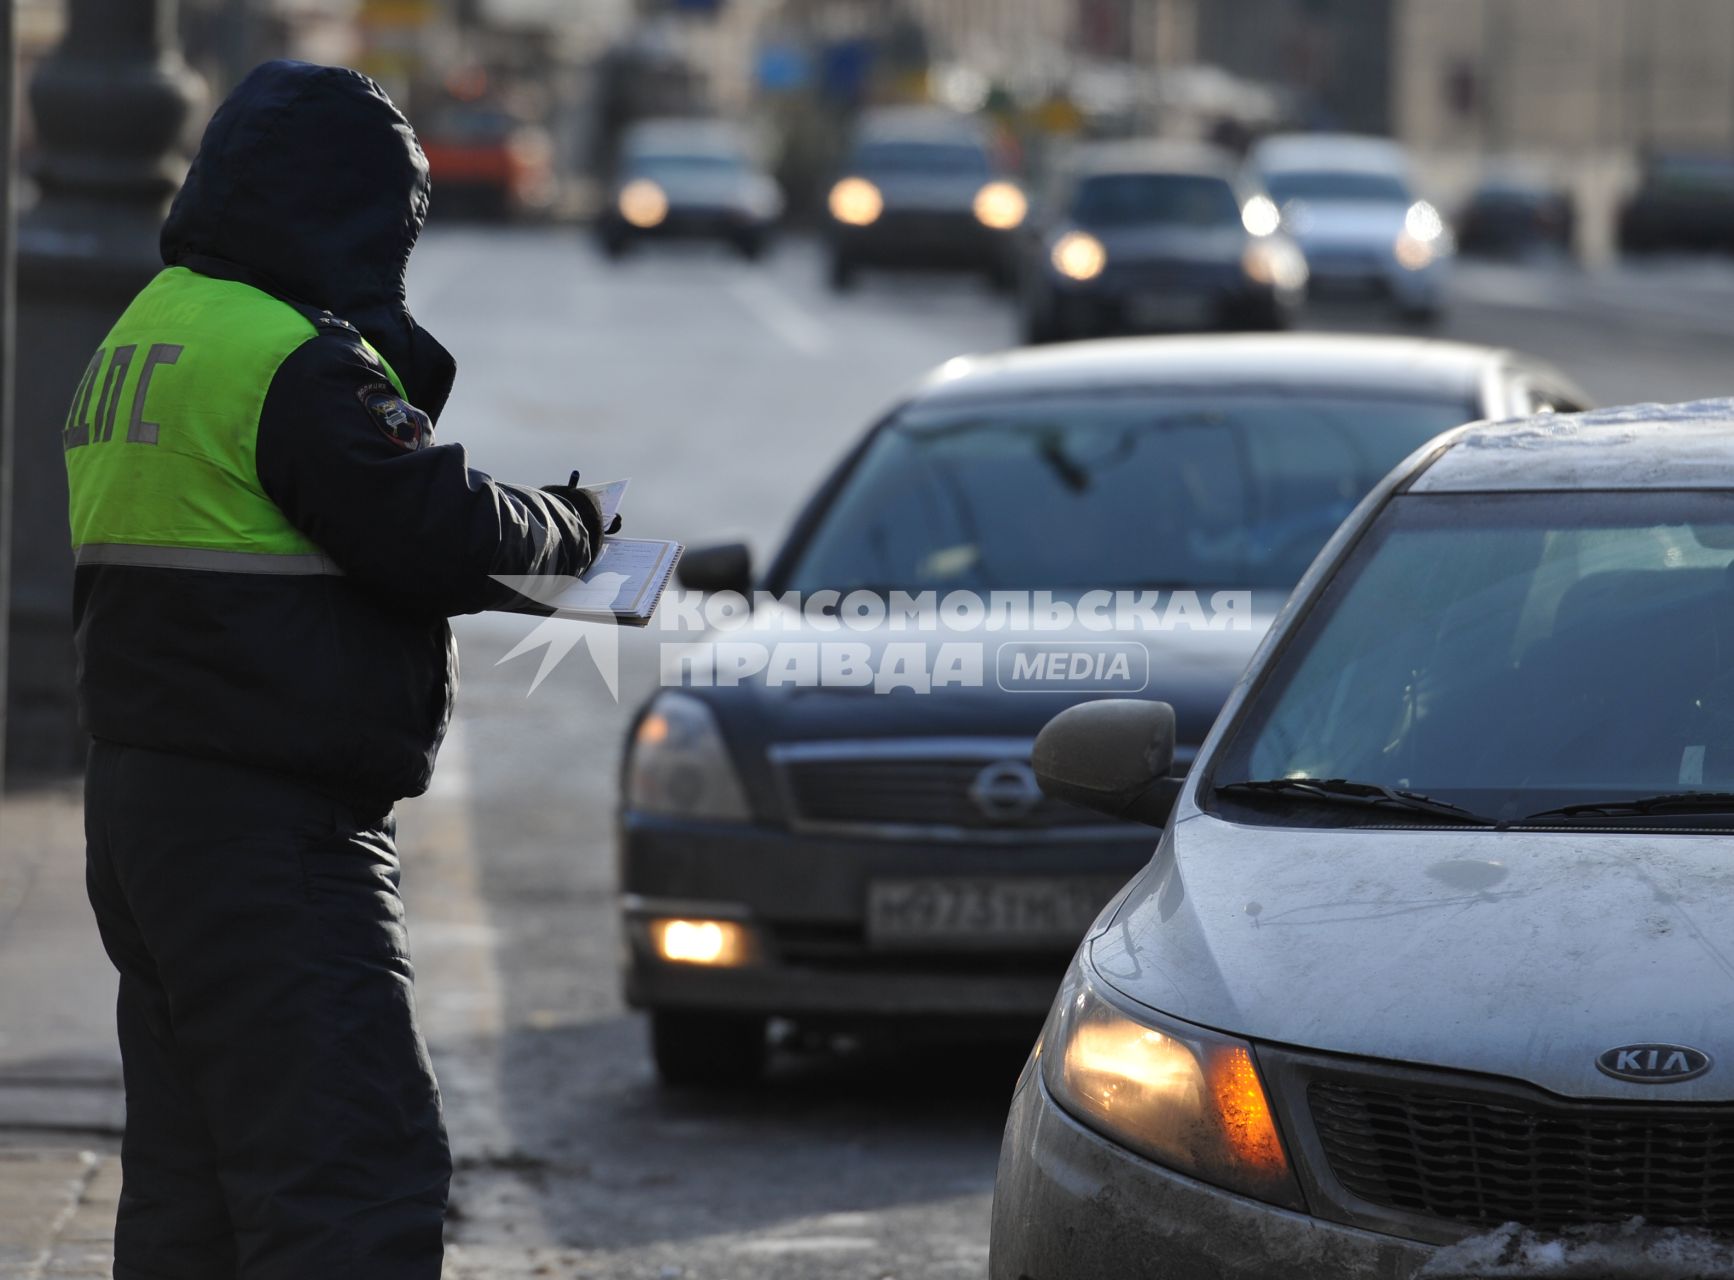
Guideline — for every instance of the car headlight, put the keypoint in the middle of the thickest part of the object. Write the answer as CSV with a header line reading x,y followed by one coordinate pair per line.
x,y
679,766
1423,239
1184,1097
1000,206
1275,264
1423,223
643,203
1260,216
1078,255
856,202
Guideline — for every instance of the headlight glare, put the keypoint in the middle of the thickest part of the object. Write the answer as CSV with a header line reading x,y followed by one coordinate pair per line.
x,y
856,202
1078,255
1000,206
1422,221
1184,1097
679,766
1412,254
1423,239
716,944
643,203
1275,263
1260,216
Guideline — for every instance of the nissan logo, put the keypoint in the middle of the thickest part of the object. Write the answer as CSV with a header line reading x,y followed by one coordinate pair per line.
x,y
1006,791
1654,1063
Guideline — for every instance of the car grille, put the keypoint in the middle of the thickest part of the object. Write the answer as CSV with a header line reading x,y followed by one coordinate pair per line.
x,y
1543,1165
846,948
925,793
1176,275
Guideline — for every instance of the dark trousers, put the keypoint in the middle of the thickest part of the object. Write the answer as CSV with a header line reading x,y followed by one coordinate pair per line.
x,y
282,1117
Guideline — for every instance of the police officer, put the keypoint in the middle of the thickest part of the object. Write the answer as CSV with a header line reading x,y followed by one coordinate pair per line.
x,y
268,543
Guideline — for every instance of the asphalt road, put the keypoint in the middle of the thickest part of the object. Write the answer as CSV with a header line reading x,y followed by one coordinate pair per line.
x,y
725,390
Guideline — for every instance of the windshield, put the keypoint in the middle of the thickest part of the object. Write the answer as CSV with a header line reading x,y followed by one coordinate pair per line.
x,y
1300,184
1127,199
1513,653
1111,491
922,158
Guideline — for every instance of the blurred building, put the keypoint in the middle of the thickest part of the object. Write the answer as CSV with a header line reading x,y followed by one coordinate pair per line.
x,y
1566,76
1333,57
1571,91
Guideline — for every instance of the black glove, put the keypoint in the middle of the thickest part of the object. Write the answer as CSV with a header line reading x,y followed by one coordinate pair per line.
x,y
588,510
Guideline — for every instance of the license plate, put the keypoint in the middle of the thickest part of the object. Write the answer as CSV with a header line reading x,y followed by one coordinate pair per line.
x,y
992,913
1168,310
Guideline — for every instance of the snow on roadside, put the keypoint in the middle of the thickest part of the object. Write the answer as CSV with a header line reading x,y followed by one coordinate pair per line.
x,y
1631,1251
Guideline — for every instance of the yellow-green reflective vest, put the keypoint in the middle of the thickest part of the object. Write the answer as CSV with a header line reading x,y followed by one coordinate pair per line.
x,y
161,436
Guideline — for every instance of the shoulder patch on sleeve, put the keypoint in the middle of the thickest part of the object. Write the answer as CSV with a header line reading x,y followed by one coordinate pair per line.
x,y
397,419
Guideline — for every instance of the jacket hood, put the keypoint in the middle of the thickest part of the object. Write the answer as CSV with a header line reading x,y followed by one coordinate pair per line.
x,y
310,184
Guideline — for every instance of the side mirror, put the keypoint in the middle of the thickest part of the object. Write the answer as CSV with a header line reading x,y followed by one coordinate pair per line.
x,y
728,567
1113,756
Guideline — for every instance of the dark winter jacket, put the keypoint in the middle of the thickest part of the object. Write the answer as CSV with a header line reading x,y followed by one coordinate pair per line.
x,y
309,187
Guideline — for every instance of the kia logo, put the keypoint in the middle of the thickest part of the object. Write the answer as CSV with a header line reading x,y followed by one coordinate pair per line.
x,y
1006,792
1654,1063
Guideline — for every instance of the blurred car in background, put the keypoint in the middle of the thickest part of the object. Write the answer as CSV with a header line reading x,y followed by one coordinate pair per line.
x,y
922,188
1147,236
1513,215
485,162
689,179
1684,204
816,851
1349,203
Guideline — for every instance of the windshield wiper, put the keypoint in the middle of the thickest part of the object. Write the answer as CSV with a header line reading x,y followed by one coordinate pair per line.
x,y
1348,792
1666,802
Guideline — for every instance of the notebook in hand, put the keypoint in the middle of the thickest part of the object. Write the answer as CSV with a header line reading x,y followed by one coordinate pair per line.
x,y
622,586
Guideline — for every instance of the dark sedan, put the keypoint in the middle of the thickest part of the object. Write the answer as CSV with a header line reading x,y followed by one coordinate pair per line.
x,y
1684,204
830,817
1517,216
1147,236
922,188
689,179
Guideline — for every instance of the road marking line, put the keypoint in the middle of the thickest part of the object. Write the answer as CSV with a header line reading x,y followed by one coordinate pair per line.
x,y
781,314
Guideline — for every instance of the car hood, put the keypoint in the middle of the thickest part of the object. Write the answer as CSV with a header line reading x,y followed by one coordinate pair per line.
x,y
1317,223
1191,669
1517,954
712,190
928,193
1166,244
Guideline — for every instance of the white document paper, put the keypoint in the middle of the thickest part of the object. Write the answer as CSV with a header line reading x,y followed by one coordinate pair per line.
x,y
622,586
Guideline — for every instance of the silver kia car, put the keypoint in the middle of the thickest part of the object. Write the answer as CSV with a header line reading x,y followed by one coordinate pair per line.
x,y
1432,972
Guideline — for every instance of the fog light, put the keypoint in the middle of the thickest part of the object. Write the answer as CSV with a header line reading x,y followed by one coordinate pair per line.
x,y
719,944
1413,254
